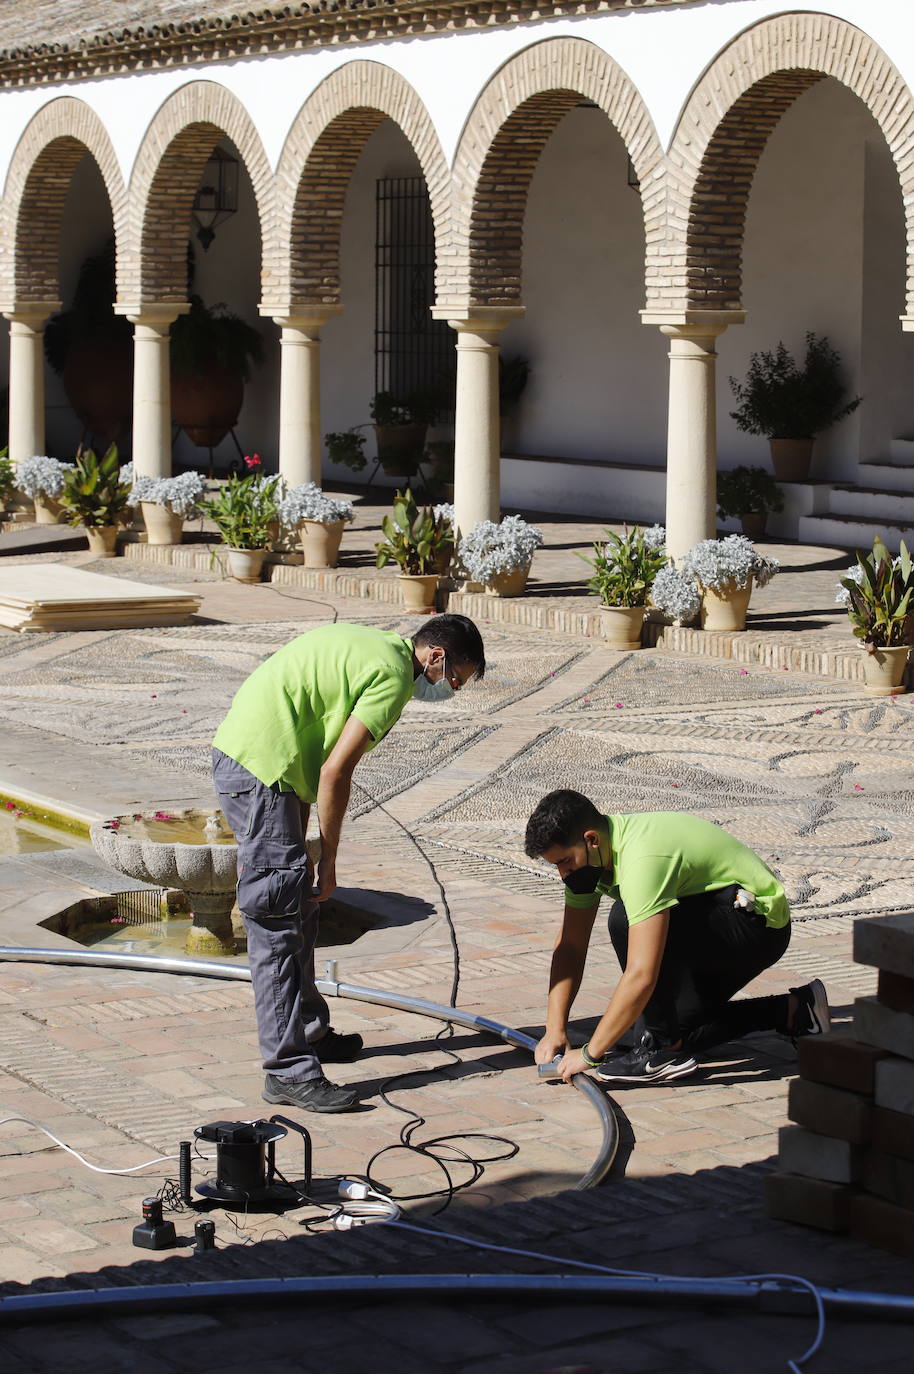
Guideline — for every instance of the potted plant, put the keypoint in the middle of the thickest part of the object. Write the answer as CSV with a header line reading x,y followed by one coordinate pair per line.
x,y
877,592
413,539
94,496
499,556
676,595
400,428
724,571
41,479
319,519
212,351
166,502
7,479
91,350
346,446
791,404
748,494
444,512
624,568
243,511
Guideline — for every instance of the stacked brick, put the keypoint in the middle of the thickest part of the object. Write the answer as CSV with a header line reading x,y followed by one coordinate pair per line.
x,y
847,1164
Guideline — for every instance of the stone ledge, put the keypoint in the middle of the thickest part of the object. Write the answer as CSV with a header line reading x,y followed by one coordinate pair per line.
x,y
758,649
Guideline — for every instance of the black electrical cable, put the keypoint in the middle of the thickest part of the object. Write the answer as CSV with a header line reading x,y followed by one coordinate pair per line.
x,y
428,1149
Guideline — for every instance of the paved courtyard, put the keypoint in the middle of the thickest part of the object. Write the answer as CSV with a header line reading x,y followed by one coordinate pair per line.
x,y
121,1065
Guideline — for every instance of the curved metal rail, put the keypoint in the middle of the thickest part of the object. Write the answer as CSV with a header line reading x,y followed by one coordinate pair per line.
x,y
147,963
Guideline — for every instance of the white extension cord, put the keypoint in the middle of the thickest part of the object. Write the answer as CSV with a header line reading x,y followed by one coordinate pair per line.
x,y
361,1205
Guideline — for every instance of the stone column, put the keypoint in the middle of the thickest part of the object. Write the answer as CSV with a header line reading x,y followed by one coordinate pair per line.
x,y
151,386
26,400
477,439
300,440
691,460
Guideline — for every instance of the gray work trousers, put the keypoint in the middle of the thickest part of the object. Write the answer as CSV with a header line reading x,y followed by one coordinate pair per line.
x,y
281,920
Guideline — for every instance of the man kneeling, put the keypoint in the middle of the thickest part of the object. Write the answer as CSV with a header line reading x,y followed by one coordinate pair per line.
x,y
696,917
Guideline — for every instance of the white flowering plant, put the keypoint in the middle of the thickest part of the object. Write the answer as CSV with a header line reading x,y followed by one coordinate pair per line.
x,y
718,564
676,594
489,549
308,502
42,476
181,494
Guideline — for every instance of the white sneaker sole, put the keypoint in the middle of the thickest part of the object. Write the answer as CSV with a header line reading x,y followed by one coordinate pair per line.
x,y
662,1075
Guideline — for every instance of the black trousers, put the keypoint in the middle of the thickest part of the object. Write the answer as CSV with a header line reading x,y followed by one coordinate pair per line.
x,y
712,950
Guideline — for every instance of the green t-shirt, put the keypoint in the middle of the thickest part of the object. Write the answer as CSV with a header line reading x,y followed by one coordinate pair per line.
x,y
286,718
660,856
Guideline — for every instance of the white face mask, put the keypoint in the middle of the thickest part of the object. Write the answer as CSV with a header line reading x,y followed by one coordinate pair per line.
x,y
423,690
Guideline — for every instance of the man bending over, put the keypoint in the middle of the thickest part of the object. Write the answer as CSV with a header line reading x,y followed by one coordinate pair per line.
x,y
696,916
294,733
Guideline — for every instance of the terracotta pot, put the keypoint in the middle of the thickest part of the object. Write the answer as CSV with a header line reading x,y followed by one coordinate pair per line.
x,y
753,523
102,540
622,626
162,525
320,542
98,381
400,448
725,609
509,583
791,458
207,404
47,510
246,565
418,592
883,671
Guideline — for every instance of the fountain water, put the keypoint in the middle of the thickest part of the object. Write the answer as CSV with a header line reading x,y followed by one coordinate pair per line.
x,y
191,850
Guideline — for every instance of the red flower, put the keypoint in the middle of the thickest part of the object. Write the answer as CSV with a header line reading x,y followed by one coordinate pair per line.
x,y
254,462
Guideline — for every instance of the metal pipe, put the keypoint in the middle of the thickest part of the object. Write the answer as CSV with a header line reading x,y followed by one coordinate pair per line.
x,y
146,963
768,1295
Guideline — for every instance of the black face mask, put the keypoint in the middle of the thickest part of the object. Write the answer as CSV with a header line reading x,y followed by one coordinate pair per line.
x,y
582,881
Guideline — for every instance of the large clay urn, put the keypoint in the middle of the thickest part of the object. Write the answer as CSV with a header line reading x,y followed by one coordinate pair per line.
x,y
206,404
98,380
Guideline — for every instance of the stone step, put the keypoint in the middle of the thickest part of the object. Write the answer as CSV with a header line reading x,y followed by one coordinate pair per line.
x,y
901,451
870,503
850,532
884,475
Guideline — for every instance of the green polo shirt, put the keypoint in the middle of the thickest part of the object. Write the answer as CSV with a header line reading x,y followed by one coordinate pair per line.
x,y
285,719
660,856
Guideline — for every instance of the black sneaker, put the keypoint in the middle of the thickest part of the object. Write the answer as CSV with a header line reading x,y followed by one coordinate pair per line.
x,y
646,1063
334,1048
812,1016
311,1094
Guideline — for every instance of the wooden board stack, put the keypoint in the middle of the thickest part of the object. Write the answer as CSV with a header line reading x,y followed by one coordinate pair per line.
x,y
54,596
848,1162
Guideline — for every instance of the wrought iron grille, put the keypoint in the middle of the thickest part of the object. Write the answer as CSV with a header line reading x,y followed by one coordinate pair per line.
x,y
413,353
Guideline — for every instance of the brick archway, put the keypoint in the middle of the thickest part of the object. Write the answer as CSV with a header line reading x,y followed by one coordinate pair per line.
x,y
723,131
499,148
165,177
39,177
315,168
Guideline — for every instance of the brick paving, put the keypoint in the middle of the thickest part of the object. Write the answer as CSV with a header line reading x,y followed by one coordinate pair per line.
x,y
123,1064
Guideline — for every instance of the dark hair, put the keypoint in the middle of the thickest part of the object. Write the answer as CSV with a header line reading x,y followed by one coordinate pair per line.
x,y
560,819
459,638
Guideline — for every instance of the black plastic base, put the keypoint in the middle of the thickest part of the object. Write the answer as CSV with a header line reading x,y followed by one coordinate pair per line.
x,y
271,1197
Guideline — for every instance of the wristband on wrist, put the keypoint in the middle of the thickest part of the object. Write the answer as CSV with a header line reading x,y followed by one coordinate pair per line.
x,y
589,1062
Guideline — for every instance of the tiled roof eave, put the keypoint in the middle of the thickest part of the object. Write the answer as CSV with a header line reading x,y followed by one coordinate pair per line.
x,y
257,33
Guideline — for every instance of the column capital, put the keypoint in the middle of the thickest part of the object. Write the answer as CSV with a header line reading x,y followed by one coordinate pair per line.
x,y
153,315
692,324
483,320
304,317
31,313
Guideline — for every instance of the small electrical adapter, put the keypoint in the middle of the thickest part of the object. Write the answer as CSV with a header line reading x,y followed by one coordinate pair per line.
x,y
154,1233
353,1190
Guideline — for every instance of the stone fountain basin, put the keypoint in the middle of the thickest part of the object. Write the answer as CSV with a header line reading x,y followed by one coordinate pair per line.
x,y
160,848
